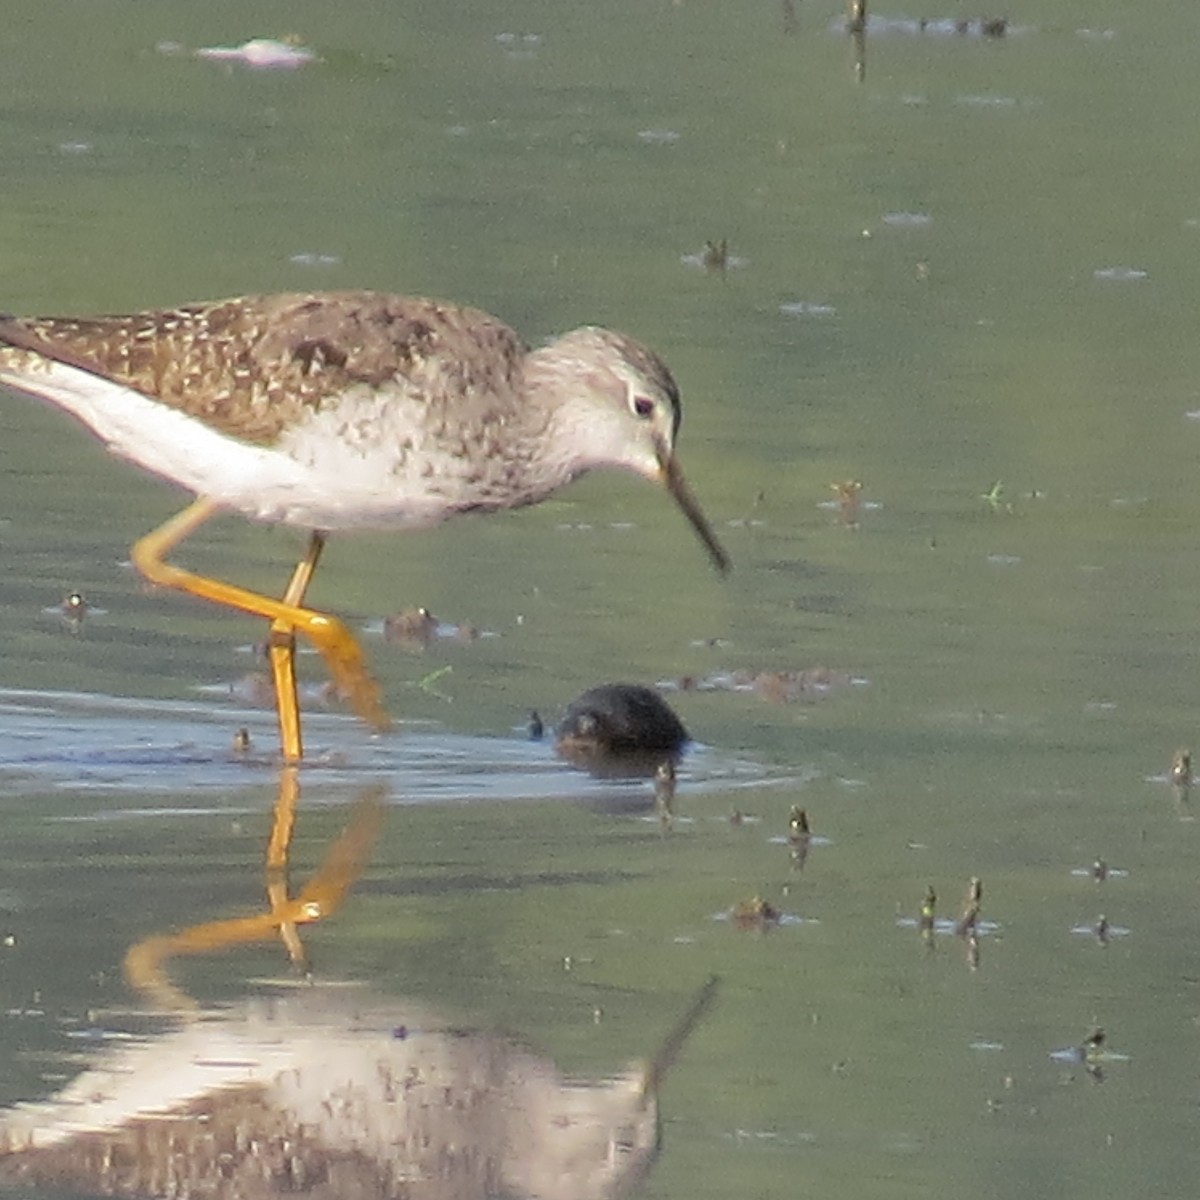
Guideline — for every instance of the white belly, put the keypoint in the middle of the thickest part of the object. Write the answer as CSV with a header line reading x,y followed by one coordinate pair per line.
x,y
320,476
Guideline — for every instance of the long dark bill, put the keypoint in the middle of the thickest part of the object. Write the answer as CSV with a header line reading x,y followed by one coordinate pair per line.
x,y
672,477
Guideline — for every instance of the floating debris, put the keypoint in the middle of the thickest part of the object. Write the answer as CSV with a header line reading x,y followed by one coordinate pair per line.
x,y
658,137
1091,1054
664,793
255,689
799,837
714,258
519,45
1181,768
806,308
972,100
926,919
782,687
1102,929
849,501
969,927
994,498
755,913
74,607
1100,870
416,628
664,781
798,826
428,683
262,54
241,741
779,687
309,258
988,28
787,687
907,220
1120,274
969,917
412,627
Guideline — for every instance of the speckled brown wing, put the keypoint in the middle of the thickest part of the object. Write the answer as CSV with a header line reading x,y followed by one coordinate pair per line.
x,y
252,366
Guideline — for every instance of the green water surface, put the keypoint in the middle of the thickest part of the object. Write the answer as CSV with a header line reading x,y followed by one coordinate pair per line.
x,y
998,242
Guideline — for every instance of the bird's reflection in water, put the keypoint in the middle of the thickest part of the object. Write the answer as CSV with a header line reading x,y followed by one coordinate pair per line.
x,y
322,1093
327,1092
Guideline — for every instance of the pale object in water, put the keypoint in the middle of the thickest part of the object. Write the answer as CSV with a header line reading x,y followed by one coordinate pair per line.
x,y
326,1093
261,53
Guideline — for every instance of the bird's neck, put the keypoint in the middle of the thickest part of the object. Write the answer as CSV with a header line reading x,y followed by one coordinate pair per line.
x,y
556,416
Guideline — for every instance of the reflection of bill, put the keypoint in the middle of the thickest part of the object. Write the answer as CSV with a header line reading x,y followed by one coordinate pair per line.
x,y
325,1093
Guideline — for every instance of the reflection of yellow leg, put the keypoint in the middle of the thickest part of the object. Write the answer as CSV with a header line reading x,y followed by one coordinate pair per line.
x,y
335,642
278,844
343,863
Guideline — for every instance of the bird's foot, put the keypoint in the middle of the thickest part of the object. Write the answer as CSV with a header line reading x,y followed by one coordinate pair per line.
x,y
351,679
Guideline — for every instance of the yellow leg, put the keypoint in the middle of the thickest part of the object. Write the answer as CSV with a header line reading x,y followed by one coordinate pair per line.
x,y
281,650
334,641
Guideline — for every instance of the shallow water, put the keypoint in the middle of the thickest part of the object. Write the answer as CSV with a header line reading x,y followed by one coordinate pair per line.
x,y
964,280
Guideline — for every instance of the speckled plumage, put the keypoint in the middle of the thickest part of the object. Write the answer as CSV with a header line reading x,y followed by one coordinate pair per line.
x,y
253,366
343,409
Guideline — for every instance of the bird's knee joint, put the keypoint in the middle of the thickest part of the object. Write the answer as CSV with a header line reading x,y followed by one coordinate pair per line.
x,y
281,639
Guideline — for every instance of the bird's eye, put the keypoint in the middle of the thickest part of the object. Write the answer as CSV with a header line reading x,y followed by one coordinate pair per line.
x,y
643,406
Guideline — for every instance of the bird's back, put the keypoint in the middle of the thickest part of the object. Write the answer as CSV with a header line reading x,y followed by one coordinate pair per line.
x,y
254,366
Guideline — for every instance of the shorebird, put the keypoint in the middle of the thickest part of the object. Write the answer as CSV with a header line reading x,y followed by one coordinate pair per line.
x,y
347,410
